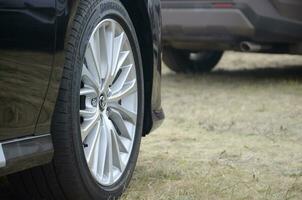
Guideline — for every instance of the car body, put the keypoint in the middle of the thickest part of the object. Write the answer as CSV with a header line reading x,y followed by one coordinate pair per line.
x,y
32,49
268,26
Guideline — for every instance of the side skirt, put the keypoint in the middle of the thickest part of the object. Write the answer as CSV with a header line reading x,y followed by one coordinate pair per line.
x,y
24,153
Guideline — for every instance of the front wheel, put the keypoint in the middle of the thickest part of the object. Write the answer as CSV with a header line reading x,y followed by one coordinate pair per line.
x,y
98,119
182,61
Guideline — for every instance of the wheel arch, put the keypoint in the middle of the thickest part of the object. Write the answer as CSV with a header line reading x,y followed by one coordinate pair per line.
x,y
137,9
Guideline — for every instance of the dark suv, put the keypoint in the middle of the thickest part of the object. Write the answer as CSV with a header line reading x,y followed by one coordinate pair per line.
x,y
79,87
196,32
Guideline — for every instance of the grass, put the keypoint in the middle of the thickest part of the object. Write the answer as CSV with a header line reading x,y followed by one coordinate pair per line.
x,y
232,134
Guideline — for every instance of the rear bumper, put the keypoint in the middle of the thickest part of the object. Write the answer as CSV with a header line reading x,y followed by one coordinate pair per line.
x,y
265,21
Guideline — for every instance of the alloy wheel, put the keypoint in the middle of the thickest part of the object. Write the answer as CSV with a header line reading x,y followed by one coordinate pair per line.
x,y
108,102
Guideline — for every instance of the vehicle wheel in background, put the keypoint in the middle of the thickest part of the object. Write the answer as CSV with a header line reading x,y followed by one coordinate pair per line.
x,y
180,60
98,119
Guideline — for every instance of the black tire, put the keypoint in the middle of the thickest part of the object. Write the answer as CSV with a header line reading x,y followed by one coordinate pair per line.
x,y
68,176
182,61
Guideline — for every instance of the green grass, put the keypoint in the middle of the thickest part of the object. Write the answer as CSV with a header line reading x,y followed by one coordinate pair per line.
x,y
231,134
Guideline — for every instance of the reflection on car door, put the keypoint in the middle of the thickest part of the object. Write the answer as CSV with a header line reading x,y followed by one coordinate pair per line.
x,y
27,30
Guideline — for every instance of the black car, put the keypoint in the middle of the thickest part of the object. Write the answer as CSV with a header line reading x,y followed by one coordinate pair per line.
x,y
79,87
196,32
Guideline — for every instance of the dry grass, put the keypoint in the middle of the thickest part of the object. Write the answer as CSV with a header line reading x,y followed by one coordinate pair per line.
x,y
231,134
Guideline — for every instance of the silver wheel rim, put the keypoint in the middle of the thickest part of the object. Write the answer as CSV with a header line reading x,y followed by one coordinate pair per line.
x,y
108,102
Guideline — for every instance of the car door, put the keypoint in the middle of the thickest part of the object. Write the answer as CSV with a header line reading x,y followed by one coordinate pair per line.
x,y
27,35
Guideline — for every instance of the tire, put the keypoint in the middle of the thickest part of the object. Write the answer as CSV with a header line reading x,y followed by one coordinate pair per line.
x,y
182,61
69,177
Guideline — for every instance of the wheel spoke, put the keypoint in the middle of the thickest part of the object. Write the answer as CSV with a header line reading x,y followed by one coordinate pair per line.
x,y
110,41
109,34
119,123
95,156
96,47
128,89
122,58
120,82
88,123
109,157
92,60
91,151
88,78
88,91
116,149
103,54
126,114
117,46
102,151
89,113
123,143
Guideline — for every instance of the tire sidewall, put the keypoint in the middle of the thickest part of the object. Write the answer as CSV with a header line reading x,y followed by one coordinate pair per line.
x,y
105,10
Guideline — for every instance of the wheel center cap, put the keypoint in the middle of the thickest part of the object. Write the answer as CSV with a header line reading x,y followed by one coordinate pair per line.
x,y
94,102
102,102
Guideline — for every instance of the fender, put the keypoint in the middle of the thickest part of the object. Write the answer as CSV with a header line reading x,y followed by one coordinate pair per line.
x,y
157,114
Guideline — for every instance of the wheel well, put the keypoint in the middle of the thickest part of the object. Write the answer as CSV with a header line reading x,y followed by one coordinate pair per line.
x,y
139,16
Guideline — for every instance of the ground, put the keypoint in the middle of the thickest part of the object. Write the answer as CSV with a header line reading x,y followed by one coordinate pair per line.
x,y
232,134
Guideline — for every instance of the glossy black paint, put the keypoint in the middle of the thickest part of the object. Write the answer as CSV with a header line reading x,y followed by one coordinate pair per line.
x,y
33,34
32,40
27,39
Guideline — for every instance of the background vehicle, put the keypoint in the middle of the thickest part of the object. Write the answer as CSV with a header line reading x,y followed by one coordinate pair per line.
x,y
196,32
77,93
